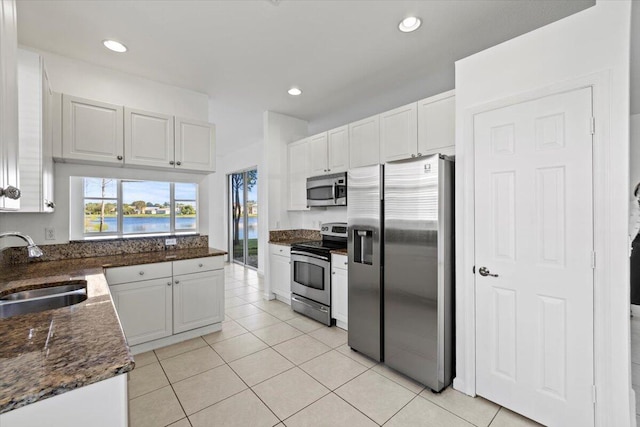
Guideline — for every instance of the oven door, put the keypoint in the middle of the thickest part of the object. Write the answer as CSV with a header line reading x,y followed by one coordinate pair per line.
x,y
311,277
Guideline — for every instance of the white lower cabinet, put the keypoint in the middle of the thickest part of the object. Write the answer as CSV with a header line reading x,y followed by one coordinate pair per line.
x,y
198,300
280,271
173,298
339,290
101,404
144,309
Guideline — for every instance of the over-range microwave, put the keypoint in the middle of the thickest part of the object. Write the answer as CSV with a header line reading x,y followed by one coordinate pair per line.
x,y
327,190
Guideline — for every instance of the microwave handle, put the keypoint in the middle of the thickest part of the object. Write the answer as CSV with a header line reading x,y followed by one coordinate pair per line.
x,y
334,192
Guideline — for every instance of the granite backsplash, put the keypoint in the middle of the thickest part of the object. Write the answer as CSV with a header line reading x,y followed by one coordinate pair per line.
x,y
96,248
300,234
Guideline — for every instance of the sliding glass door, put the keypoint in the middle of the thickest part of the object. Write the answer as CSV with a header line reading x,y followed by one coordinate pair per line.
x,y
243,204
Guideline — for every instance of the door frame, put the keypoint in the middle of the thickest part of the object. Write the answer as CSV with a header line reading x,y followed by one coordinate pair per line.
x,y
245,220
605,247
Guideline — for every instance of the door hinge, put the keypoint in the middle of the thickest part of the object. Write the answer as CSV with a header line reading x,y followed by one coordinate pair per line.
x,y
593,390
593,259
593,126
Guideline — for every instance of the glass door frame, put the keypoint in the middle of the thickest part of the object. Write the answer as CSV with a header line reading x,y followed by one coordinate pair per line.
x,y
245,220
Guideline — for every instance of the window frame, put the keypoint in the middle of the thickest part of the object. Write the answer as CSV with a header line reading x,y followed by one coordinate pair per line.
x,y
120,209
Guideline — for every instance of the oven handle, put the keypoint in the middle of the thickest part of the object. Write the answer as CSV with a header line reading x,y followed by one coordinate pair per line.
x,y
322,308
307,254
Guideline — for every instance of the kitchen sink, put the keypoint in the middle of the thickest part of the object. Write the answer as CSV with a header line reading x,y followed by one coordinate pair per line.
x,y
41,299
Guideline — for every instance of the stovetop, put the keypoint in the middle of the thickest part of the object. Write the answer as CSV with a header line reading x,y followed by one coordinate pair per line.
x,y
321,244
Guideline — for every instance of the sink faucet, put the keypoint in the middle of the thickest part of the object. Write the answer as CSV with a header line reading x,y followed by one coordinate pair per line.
x,y
34,251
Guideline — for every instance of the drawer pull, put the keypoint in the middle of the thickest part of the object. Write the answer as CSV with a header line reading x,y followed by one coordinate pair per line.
x,y
168,283
141,273
333,272
177,282
200,265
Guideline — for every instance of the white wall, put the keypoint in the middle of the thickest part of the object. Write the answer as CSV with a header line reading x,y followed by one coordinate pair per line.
x,y
594,40
312,218
81,79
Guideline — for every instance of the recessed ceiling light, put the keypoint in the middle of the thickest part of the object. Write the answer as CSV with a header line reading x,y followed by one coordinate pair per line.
x,y
114,46
295,91
410,23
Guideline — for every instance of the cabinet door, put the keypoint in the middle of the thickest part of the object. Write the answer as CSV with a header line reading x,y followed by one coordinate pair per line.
x,y
195,145
34,131
399,133
280,276
437,124
318,154
338,149
364,142
148,139
339,296
9,175
298,157
144,309
48,198
198,300
92,130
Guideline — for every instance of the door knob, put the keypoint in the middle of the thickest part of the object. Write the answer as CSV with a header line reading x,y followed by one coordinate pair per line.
x,y
484,271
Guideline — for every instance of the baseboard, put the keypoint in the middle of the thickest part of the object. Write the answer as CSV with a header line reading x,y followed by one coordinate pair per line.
x,y
174,339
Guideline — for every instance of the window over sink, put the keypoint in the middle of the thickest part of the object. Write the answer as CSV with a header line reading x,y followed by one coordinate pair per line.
x,y
126,208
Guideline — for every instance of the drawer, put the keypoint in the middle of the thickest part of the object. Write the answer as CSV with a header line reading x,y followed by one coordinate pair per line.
x,y
196,265
280,250
135,273
339,261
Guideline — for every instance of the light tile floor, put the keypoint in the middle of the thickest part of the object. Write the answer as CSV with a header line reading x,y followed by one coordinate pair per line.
x,y
270,366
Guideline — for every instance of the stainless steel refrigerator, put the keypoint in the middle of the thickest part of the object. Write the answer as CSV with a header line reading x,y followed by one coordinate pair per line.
x,y
401,268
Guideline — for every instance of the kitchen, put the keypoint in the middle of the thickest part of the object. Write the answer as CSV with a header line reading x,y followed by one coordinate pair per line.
x,y
479,80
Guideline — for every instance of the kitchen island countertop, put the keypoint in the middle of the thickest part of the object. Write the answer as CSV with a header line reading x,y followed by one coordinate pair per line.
x,y
48,353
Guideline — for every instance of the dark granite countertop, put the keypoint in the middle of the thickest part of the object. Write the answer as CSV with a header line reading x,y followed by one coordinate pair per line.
x,y
51,352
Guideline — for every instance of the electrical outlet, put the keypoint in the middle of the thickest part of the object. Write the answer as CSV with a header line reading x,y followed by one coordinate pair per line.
x,y
170,242
49,233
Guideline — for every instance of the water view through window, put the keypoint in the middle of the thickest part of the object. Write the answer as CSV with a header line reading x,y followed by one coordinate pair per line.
x,y
146,207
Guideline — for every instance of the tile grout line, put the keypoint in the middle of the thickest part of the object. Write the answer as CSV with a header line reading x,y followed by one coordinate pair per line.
x,y
175,395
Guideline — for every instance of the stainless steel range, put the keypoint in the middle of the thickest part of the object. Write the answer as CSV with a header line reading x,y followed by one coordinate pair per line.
x,y
311,272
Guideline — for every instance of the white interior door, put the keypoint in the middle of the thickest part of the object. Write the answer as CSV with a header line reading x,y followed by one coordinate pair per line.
x,y
534,231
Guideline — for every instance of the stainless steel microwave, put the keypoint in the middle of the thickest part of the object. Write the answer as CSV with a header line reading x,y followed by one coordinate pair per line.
x,y
327,190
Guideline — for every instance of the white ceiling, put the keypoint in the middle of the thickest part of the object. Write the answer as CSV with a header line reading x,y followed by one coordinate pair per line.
x,y
347,56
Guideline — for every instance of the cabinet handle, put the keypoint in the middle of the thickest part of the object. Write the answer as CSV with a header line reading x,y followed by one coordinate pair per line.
x,y
141,273
49,204
413,155
419,154
333,272
346,263
177,282
119,157
200,265
171,162
178,163
168,283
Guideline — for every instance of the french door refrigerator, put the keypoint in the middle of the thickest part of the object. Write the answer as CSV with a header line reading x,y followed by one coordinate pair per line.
x,y
401,266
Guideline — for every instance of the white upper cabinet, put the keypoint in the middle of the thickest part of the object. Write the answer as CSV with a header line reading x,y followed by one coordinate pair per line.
x,y
399,133
35,134
298,161
318,152
195,145
364,142
338,142
9,175
148,138
92,131
437,124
